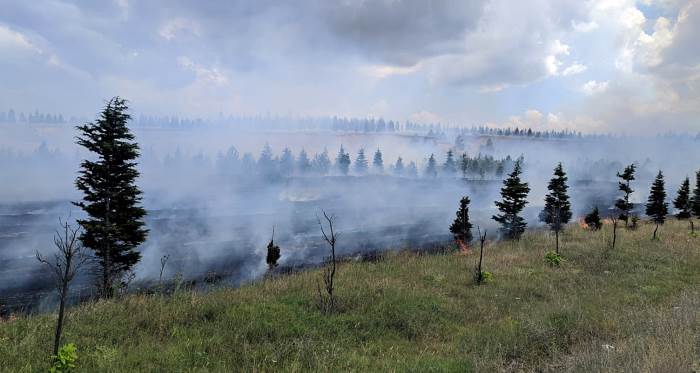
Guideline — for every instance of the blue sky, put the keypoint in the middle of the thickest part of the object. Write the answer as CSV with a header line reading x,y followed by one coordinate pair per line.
x,y
594,66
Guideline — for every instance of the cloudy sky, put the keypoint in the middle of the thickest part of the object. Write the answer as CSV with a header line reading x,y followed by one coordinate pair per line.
x,y
599,65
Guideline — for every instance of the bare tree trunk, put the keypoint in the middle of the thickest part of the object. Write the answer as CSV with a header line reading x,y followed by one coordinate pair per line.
x,y
655,229
482,239
692,226
614,220
327,302
556,234
61,312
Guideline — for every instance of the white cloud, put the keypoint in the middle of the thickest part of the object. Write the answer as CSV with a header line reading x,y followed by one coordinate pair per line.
x,y
593,87
584,26
10,39
552,61
171,28
204,74
384,71
574,69
426,117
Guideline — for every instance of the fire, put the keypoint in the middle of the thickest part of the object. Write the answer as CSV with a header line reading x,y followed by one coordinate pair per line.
x,y
463,247
582,224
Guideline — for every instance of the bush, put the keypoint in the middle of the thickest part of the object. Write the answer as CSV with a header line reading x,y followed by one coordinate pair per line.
x,y
65,360
553,258
485,277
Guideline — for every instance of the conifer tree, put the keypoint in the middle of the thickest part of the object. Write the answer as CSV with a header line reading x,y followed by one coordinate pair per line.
x,y
114,226
682,201
303,163
286,163
623,203
657,208
398,167
431,168
342,161
514,198
361,162
557,208
378,162
592,220
412,170
695,201
266,163
450,166
461,228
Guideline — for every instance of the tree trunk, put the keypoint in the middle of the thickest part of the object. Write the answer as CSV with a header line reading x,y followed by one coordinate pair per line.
x,y
62,305
556,234
655,229
614,234
692,226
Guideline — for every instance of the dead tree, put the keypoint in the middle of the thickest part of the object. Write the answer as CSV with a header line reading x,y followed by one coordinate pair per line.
x,y
479,273
327,300
273,252
66,263
614,237
163,262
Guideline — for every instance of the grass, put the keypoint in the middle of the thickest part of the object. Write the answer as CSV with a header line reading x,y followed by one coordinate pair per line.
x,y
634,308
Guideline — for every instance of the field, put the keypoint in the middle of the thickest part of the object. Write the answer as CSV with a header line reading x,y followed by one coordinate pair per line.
x,y
634,308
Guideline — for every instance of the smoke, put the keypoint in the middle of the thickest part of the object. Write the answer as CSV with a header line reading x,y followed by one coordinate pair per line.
x,y
210,216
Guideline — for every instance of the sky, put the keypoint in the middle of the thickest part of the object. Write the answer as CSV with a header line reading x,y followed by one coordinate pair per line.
x,y
593,66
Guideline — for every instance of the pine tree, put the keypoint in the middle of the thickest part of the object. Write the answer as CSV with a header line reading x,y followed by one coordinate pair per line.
x,y
303,163
514,198
412,170
361,162
266,163
682,201
431,168
450,166
286,163
657,208
592,220
623,203
378,162
114,226
557,208
342,161
398,167
695,201
461,228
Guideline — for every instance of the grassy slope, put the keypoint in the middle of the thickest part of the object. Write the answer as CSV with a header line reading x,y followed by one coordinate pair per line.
x,y
413,312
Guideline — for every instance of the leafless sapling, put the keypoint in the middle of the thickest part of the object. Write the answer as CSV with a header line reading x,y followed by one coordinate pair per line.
x,y
163,262
614,220
327,300
479,273
273,252
67,261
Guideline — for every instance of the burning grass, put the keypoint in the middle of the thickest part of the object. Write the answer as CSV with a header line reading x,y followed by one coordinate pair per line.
x,y
634,308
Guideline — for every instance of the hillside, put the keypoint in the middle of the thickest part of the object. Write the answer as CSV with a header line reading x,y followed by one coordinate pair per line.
x,y
634,308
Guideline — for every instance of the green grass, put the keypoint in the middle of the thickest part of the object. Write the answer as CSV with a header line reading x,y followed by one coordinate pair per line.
x,y
412,312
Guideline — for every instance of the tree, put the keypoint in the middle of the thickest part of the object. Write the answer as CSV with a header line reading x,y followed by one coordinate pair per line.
x,y
450,166
623,203
361,162
378,162
266,163
322,164
286,163
592,220
327,300
303,163
431,168
557,208
342,161
65,266
461,228
479,275
412,170
514,198
682,201
114,226
695,204
273,252
398,167
657,208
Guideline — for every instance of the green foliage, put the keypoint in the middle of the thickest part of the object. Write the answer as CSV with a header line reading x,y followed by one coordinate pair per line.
x,y
695,205
657,207
342,161
592,220
623,203
114,226
484,277
66,361
553,259
557,208
431,168
461,228
682,203
513,200
361,162
378,162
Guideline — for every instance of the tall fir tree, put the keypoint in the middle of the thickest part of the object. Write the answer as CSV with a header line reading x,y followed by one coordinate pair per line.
x,y
398,167
412,170
114,227
361,162
514,198
695,201
342,161
557,208
431,168
286,163
378,162
592,220
623,203
303,164
461,228
656,206
682,201
450,166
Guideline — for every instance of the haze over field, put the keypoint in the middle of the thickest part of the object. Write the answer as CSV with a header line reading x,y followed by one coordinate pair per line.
x,y
218,91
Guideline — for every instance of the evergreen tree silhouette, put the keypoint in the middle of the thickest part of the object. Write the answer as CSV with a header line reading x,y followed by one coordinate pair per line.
x,y
557,208
513,200
656,206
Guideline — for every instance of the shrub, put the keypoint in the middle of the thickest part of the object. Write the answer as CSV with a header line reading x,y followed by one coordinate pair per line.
x,y
66,359
553,258
482,277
